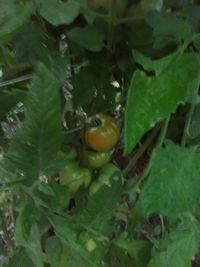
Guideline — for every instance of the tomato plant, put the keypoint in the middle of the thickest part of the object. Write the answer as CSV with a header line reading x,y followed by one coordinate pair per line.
x,y
99,133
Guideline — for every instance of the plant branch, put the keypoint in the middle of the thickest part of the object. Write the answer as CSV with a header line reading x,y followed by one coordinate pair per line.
x,y
141,151
16,80
158,145
187,124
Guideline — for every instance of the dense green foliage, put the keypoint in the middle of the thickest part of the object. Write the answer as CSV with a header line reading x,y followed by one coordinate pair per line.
x,y
61,63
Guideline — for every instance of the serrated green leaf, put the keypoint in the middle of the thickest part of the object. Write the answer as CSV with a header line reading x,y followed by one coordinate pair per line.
x,y
56,196
89,37
97,213
152,99
183,245
20,259
138,250
75,253
10,21
173,186
31,242
33,44
170,28
28,216
58,12
38,140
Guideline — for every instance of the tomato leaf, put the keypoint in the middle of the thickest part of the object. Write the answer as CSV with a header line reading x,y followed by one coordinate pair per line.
x,y
152,98
10,21
89,37
182,245
58,12
173,186
38,140
138,250
20,259
75,253
111,195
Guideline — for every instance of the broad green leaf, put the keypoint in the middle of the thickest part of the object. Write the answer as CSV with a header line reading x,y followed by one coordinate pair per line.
x,y
38,140
28,216
138,250
10,21
76,253
173,186
56,253
182,245
33,44
169,28
30,242
89,37
152,98
59,12
20,259
97,213
55,196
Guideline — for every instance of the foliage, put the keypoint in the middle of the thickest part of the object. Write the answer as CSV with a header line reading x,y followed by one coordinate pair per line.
x,y
61,64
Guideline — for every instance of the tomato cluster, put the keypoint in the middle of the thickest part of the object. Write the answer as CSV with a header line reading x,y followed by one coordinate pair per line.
x,y
100,140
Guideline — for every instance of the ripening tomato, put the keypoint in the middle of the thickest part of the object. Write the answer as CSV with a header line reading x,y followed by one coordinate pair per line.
x,y
104,136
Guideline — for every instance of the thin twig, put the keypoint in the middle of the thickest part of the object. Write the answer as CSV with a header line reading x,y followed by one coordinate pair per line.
x,y
158,145
187,124
16,80
141,151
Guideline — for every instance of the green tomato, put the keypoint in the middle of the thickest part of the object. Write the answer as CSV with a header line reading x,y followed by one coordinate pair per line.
x,y
74,177
96,160
70,154
109,171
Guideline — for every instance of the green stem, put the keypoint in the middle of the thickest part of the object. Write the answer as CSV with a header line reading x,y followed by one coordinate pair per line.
x,y
187,124
163,132
158,145
16,80
111,23
162,224
141,151
128,20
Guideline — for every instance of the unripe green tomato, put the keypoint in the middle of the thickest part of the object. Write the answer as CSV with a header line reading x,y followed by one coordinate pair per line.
x,y
95,186
74,177
70,154
96,160
109,171
90,245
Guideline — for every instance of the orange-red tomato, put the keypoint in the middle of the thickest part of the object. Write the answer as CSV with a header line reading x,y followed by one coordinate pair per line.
x,y
104,136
